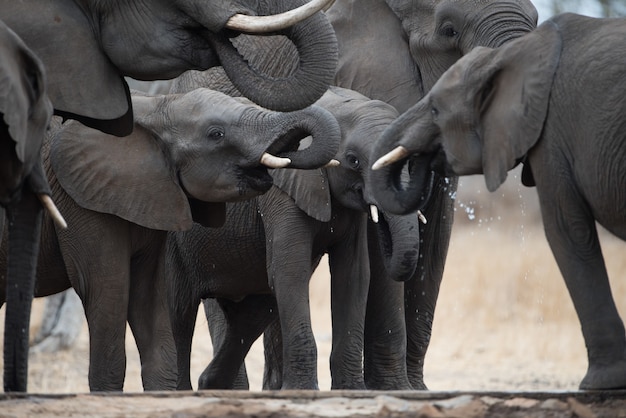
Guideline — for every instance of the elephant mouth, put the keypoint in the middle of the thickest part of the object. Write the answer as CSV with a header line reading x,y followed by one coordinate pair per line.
x,y
255,178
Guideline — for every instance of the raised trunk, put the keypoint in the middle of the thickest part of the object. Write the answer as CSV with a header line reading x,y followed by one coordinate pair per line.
x,y
24,233
281,87
315,121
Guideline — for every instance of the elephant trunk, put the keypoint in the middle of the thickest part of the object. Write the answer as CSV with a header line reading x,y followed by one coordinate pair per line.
x,y
290,128
502,23
398,242
294,86
402,182
24,235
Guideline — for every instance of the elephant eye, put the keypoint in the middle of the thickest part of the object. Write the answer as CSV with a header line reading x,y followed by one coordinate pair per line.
x,y
435,112
448,31
215,133
353,161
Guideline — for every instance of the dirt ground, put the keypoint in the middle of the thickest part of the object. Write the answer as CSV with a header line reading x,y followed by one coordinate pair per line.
x,y
506,340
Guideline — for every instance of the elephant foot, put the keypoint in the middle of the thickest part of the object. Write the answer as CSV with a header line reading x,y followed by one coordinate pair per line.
x,y
605,376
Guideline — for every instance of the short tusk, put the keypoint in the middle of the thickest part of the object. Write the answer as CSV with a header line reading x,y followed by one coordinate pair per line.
x,y
391,157
49,205
273,161
374,213
273,23
333,163
421,217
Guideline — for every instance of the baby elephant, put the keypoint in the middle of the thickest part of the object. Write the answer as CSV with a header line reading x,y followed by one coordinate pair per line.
x,y
188,154
553,100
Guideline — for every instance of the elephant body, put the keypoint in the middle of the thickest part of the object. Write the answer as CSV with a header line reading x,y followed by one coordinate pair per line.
x,y
395,53
25,112
269,248
188,154
552,101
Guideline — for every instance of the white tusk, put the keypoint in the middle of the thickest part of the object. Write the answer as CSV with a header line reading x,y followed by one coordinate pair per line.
x,y
49,205
333,163
273,23
273,161
421,217
392,156
374,213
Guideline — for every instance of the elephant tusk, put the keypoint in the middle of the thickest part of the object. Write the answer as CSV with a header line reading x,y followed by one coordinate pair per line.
x,y
273,161
49,205
421,217
374,213
273,23
332,163
391,157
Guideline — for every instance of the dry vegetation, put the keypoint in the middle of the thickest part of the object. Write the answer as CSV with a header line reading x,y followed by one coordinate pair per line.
x,y
504,320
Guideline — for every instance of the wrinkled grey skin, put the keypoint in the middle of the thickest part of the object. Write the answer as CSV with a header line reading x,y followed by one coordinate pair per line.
x,y
187,155
270,246
25,113
95,43
553,100
394,51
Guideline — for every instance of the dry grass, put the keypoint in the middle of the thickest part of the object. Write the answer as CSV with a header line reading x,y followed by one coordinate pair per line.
x,y
504,320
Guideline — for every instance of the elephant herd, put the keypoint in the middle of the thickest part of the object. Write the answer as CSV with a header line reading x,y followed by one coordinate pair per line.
x,y
341,131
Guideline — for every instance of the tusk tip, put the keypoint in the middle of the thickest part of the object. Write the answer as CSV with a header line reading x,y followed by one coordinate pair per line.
x,y
333,163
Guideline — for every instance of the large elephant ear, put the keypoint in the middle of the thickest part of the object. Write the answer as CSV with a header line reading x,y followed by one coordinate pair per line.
x,y
24,106
128,177
82,83
308,188
511,86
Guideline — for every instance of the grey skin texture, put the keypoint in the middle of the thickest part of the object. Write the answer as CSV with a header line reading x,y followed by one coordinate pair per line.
x,y
187,155
270,246
25,113
394,51
553,100
93,44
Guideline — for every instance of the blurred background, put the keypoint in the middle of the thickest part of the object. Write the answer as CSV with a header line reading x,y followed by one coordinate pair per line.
x,y
504,320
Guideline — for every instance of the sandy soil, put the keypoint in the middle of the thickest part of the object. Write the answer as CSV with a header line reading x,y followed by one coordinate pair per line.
x,y
504,320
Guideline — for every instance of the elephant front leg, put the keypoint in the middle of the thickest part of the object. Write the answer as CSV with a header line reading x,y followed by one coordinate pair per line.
x,y
572,235
350,274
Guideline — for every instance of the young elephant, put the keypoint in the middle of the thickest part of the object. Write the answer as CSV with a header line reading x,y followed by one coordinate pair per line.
x,y
270,246
553,100
187,155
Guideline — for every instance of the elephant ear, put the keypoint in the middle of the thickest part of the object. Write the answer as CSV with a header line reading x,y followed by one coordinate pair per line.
x,y
83,84
308,188
24,105
128,177
514,99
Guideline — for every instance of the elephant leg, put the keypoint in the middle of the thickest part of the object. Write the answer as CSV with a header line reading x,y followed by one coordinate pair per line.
x,y
98,266
421,291
385,339
571,232
149,321
245,321
273,350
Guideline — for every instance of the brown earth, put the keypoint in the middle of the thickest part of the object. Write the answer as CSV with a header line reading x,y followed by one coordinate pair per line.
x,y
506,340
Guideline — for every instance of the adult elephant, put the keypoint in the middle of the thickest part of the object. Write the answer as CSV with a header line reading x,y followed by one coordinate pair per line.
x,y
395,53
25,113
94,44
553,101
187,155
270,246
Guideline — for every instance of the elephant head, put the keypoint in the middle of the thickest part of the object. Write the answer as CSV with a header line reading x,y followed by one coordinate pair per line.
x,y
484,114
88,45
186,150
400,48
362,121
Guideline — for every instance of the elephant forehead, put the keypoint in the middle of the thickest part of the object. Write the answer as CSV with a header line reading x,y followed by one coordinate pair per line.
x,y
206,101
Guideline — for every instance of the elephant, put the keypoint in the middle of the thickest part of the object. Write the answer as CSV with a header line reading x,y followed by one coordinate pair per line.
x,y
538,101
396,53
160,39
25,112
188,154
258,265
